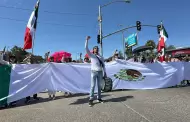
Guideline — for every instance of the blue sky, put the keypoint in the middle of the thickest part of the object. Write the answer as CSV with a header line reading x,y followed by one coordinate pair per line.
x,y
52,37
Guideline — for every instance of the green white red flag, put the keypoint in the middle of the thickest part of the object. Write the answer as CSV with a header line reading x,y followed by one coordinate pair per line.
x,y
31,28
161,43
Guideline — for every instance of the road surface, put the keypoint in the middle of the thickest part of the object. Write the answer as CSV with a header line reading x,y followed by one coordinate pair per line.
x,y
160,105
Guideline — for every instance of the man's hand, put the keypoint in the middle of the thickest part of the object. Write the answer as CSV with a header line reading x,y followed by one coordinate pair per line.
x,y
88,38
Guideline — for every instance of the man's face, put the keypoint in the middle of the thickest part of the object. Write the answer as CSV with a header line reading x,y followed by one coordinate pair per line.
x,y
96,50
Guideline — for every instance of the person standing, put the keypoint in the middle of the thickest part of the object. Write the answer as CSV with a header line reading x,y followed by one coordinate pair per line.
x,y
97,71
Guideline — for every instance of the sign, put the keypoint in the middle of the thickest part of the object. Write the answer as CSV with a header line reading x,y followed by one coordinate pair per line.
x,y
180,52
131,40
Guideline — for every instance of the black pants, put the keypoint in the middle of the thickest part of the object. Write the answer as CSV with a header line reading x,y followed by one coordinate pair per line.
x,y
34,96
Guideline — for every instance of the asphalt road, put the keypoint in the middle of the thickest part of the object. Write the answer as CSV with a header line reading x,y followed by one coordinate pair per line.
x,y
161,105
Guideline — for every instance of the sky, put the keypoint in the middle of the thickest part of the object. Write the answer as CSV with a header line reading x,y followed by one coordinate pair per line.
x,y
64,24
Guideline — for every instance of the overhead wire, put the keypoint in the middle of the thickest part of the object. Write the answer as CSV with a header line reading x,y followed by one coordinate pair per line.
x,y
5,18
51,12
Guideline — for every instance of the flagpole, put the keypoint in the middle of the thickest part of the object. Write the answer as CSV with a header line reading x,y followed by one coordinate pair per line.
x,y
34,36
161,24
33,43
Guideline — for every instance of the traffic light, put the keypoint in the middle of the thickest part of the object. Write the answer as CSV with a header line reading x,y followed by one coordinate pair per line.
x,y
158,28
138,24
98,39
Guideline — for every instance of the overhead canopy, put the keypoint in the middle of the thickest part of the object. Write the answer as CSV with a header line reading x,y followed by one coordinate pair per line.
x,y
141,49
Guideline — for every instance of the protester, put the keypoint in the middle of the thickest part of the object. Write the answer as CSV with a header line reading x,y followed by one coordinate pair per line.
x,y
86,60
46,56
115,55
1,59
97,71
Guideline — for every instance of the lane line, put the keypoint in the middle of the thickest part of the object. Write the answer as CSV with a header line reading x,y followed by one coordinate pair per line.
x,y
134,110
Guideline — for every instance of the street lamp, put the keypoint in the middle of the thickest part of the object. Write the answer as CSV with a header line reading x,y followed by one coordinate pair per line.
x,y
100,20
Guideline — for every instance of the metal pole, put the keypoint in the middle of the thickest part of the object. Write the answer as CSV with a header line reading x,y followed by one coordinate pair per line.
x,y
100,30
123,38
33,42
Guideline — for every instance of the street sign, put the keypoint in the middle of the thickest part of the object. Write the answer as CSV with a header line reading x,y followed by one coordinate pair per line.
x,y
131,40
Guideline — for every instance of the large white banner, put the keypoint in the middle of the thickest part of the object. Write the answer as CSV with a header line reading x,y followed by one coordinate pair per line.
x,y
186,70
27,79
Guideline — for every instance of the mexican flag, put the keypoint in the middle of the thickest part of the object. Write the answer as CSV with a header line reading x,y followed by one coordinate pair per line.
x,y
161,43
31,28
5,71
18,81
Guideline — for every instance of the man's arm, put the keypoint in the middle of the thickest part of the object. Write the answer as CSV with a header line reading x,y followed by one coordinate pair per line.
x,y
86,47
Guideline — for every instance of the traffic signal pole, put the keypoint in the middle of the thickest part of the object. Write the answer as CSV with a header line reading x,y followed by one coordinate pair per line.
x,y
124,29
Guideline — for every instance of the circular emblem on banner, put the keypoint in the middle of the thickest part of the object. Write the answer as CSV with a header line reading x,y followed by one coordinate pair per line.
x,y
129,75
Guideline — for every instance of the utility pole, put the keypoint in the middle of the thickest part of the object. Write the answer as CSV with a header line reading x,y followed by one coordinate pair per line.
x,y
100,20
100,30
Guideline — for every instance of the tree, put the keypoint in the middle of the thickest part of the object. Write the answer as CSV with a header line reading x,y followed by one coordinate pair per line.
x,y
151,43
21,54
38,59
170,47
129,52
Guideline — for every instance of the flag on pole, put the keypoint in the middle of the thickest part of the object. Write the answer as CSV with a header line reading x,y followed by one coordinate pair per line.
x,y
31,28
161,43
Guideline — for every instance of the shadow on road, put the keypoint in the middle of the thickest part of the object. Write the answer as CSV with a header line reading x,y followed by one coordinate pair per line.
x,y
84,100
119,99
41,100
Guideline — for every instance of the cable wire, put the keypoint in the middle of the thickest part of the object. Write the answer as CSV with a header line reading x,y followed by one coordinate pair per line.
x,y
51,12
43,22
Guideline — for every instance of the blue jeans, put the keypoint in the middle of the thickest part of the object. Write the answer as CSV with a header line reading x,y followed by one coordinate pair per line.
x,y
96,76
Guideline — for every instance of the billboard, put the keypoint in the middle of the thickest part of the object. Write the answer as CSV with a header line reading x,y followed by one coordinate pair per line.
x,y
131,40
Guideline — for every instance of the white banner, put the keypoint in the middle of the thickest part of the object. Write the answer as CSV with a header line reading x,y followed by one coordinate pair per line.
x,y
186,70
27,79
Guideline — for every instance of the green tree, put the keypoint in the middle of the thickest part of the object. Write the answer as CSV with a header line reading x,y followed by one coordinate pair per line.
x,y
129,52
19,53
151,43
38,59
170,47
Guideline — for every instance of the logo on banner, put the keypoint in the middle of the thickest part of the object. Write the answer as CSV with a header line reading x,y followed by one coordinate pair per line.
x,y
129,75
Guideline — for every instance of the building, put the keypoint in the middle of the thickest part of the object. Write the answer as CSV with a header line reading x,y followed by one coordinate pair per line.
x,y
179,52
